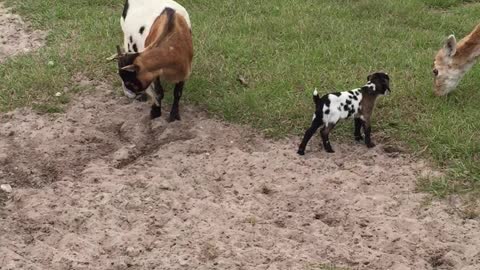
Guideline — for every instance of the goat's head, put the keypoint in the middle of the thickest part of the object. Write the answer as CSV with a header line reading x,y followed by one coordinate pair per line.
x,y
381,81
446,72
129,71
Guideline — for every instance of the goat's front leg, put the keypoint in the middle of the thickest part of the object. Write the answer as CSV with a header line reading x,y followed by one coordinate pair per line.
x,y
156,110
368,133
177,94
358,126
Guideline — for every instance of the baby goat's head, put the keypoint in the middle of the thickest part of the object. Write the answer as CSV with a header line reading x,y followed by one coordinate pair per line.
x,y
381,81
128,71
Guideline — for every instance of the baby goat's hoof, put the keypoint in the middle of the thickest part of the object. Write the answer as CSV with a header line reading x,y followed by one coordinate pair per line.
x,y
174,117
330,150
370,145
301,152
155,112
358,138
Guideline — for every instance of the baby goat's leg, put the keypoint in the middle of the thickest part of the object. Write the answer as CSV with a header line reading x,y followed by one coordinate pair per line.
x,y
368,131
358,126
156,110
177,94
326,142
316,123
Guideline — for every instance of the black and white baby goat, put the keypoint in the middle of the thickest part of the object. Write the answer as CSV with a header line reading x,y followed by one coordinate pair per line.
x,y
358,103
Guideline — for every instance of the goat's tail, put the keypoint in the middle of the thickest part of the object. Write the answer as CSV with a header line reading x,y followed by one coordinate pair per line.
x,y
316,98
168,27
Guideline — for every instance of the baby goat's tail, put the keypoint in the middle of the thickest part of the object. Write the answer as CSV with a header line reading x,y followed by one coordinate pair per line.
x,y
316,98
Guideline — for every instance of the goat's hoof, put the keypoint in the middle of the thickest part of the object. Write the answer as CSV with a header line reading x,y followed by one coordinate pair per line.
x,y
173,118
330,150
370,145
301,152
155,113
358,138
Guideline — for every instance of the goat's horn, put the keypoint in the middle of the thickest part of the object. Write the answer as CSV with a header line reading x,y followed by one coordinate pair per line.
x,y
117,55
119,50
113,57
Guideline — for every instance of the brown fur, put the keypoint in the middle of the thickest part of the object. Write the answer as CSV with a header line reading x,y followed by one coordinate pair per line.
x,y
366,107
468,47
168,57
449,69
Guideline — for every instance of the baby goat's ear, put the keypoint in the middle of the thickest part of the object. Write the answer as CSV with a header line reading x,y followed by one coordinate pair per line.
x,y
131,68
450,46
369,77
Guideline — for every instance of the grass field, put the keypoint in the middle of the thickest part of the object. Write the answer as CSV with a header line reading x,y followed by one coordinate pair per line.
x,y
284,49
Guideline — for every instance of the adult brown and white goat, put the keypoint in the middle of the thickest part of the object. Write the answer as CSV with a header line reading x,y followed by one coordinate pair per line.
x,y
453,61
167,56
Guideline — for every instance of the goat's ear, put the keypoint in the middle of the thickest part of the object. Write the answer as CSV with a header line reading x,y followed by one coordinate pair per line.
x,y
451,45
131,68
369,77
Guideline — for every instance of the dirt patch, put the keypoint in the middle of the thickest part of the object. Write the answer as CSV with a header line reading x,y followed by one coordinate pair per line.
x,y
15,36
103,187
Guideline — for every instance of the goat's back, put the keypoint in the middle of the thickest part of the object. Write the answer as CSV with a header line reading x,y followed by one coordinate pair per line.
x,y
140,17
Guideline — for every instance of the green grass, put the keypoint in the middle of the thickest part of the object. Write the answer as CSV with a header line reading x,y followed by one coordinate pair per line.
x,y
284,49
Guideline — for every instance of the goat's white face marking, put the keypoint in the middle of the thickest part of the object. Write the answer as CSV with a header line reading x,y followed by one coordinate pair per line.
x,y
371,85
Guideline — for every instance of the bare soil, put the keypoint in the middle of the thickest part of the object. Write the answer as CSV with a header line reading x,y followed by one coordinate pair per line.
x,y
101,186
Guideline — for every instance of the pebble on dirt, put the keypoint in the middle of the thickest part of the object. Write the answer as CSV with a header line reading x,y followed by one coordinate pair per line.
x,y
6,187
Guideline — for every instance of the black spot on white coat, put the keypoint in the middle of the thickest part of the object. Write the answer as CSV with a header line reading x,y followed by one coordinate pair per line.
x,y
135,49
141,30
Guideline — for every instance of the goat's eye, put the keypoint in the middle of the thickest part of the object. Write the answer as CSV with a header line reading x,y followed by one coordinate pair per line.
x,y
435,72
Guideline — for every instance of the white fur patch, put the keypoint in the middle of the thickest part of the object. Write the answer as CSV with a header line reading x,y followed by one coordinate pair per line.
x,y
336,110
372,85
127,92
315,92
151,92
142,13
